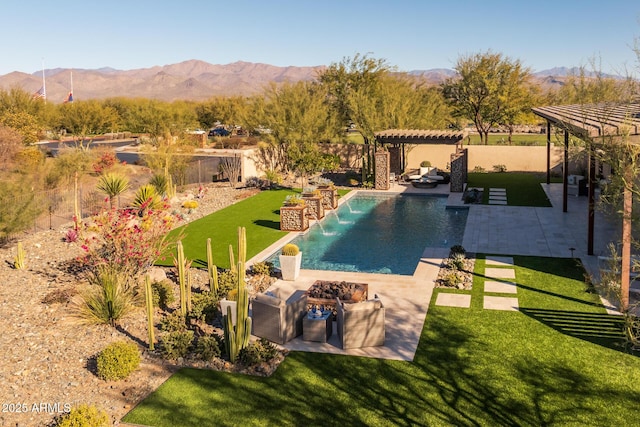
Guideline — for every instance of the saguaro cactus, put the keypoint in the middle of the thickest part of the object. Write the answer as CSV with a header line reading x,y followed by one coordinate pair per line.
x,y
238,338
149,300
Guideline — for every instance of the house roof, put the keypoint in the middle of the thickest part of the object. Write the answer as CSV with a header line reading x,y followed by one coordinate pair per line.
x,y
595,121
419,136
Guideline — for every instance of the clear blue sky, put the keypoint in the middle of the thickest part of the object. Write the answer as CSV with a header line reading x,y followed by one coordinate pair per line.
x,y
410,35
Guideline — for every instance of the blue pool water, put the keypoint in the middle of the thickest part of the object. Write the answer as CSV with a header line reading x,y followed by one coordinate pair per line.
x,y
380,234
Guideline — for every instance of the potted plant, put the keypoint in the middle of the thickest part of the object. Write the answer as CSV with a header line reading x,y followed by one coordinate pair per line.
x,y
313,197
293,214
425,167
231,300
328,192
290,261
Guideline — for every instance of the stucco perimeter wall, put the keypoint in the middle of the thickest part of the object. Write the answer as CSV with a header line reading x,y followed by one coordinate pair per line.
x,y
515,158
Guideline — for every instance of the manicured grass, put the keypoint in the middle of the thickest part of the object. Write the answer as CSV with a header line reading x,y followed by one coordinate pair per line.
x,y
523,189
503,139
259,214
553,362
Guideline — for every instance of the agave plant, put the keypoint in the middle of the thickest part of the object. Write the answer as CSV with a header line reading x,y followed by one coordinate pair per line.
x,y
113,185
147,198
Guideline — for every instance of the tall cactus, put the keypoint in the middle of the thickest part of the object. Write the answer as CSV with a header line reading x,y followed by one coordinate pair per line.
x,y
149,300
181,265
232,262
188,296
237,338
20,261
212,269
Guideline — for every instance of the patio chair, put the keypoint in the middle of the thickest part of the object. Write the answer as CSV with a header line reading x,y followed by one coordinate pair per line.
x,y
278,319
360,324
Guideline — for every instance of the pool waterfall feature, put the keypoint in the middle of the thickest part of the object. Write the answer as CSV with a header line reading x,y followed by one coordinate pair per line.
x,y
380,233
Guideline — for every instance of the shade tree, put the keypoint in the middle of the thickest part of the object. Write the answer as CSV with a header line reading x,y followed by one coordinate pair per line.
x,y
488,90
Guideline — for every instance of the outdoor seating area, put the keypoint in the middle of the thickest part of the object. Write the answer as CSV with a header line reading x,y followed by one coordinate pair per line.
x,y
278,319
358,322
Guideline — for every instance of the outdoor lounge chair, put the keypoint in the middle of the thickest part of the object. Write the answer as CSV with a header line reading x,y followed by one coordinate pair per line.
x,y
360,324
278,319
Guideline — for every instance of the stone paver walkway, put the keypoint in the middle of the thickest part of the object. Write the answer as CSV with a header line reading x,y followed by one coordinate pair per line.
x,y
500,273
497,196
500,303
448,299
500,287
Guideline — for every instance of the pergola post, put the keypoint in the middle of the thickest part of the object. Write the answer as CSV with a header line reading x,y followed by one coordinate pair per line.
x,y
626,239
548,152
591,180
565,171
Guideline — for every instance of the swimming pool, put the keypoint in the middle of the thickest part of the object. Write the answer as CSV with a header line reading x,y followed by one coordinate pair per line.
x,y
375,233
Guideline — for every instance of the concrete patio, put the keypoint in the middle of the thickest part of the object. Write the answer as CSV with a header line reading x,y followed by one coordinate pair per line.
x,y
491,229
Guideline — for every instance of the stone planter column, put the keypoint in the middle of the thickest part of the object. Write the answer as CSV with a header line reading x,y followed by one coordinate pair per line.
x,y
382,178
329,197
314,203
294,218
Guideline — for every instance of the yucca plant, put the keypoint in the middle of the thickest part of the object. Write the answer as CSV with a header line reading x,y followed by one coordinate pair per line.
x,y
146,198
160,183
112,185
109,298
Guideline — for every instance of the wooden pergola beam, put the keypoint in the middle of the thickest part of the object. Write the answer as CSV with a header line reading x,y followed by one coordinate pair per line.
x,y
599,125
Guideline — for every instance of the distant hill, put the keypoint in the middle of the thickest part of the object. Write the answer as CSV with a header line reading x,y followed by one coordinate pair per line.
x,y
189,80
196,80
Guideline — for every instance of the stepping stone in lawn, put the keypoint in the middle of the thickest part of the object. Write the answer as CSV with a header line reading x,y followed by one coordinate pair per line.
x,y
497,190
497,202
500,273
500,303
499,260
495,197
453,300
500,287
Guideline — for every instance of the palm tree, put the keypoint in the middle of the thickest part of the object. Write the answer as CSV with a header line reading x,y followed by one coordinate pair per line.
x,y
113,185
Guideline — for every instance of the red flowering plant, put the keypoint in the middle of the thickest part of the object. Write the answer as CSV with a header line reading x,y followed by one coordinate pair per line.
x,y
105,162
127,240
120,245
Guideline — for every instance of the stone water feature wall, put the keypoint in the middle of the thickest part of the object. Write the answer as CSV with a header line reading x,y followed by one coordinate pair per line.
x,y
329,197
459,168
294,218
382,178
315,207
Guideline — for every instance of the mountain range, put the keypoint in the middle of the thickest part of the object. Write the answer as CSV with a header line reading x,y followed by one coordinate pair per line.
x,y
193,80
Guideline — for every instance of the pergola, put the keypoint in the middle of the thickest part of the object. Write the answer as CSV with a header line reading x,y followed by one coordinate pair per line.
x,y
402,137
599,126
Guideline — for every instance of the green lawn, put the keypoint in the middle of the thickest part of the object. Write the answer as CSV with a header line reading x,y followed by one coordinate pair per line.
x,y
260,215
517,139
554,362
523,189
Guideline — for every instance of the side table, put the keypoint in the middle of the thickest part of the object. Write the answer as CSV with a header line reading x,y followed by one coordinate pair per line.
x,y
317,328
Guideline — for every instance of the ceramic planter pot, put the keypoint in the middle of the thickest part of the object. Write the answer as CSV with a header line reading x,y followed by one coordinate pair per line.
x,y
290,266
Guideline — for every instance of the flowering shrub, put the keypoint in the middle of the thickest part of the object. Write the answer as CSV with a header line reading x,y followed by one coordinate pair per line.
x,y
190,204
105,162
126,241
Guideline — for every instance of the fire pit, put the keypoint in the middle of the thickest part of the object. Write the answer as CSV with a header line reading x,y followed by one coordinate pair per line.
x,y
325,292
